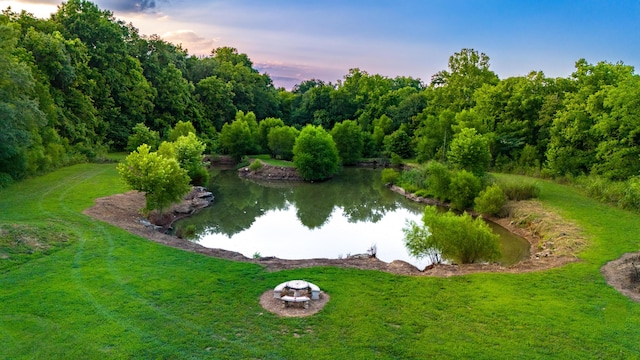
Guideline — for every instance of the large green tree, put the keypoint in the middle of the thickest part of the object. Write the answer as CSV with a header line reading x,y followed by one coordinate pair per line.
x,y
160,178
349,141
120,92
315,154
468,71
574,136
20,115
470,151
281,141
236,138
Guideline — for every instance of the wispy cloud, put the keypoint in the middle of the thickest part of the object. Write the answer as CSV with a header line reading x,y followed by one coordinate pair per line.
x,y
194,43
128,6
287,75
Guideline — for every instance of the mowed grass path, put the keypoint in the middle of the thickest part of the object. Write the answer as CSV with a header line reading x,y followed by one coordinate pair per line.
x,y
113,295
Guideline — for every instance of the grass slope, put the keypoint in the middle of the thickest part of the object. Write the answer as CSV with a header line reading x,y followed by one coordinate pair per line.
x,y
108,294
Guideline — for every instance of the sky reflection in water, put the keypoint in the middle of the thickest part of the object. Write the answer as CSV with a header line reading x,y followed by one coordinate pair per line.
x,y
344,216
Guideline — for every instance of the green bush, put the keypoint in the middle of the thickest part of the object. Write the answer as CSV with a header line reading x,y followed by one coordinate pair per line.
x,y
199,176
438,180
631,198
520,189
396,160
5,180
464,188
458,238
255,165
491,200
412,178
315,154
390,176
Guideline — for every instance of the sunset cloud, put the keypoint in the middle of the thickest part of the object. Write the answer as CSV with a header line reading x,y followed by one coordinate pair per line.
x,y
299,40
196,44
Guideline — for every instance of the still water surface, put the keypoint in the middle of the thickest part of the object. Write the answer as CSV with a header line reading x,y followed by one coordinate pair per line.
x,y
344,216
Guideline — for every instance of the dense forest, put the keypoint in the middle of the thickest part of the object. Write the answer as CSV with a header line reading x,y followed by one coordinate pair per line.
x,y
74,86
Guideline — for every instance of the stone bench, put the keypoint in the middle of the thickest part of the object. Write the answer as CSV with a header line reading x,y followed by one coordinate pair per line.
x,y
293,299
277,292
315,291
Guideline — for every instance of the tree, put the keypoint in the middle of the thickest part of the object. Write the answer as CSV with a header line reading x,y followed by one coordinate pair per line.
x,y
182,128
315,154
463,189
490,200
216,97
161,179
575,135
457,238
20,116
470,151
141,134
119,89
188,152
348,138
173,98
399,143
235,138
468,71
281,141
264,127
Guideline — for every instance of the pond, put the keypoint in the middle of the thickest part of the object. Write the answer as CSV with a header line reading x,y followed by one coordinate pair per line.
x,y
347,215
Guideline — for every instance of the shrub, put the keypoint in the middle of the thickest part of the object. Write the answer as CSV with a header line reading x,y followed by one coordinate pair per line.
x,y
255,165
5,180
315,154
399,142
141,134
390,176
438,180
396,160
470,151
491,200
182,128
412,178
464,188
457,238
189,153
348,138
160,178
631,198
520,189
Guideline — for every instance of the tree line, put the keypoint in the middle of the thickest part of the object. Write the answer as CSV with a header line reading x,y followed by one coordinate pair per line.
x,y
75,85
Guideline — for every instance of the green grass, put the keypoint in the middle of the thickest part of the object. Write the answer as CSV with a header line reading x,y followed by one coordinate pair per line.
x,y
267,159
107,294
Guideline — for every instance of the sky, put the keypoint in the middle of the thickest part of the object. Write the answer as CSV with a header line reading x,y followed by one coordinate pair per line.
x,y
296,40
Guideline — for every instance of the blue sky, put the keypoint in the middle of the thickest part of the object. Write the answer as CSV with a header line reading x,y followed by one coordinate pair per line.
x,y
298,40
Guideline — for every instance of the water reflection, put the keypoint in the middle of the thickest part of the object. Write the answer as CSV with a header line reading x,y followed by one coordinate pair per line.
x,y
346,215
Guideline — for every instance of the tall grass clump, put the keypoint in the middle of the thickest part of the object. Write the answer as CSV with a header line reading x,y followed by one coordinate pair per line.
x,y
623,194
412,180
519,188
390,176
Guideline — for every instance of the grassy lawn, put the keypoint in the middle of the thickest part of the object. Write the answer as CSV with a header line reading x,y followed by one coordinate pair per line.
x,y
93,291
274,162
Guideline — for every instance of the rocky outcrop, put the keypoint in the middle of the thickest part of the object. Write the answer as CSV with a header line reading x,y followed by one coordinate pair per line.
x,y
198,198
